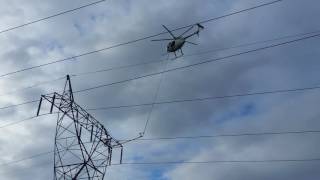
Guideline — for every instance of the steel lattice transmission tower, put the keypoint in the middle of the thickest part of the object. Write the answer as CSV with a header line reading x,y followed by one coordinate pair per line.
x,y
83,147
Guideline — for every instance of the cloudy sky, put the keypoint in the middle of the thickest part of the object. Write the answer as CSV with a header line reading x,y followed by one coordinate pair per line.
x,y
287,67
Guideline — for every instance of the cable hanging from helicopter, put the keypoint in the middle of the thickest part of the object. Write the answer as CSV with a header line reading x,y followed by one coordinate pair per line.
x,y
177,42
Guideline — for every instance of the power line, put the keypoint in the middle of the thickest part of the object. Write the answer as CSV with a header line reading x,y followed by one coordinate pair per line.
x,y
26,158
210,98
51,16
230,135
32,86
161,60
193,137
198,99
20,104
202,62
184,67
183,100
222,161
199,53
255,43
134,41
24,120
183,162
189,137
17,122
204,162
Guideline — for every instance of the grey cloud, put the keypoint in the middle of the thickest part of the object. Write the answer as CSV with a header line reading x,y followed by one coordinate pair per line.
x,y
112,22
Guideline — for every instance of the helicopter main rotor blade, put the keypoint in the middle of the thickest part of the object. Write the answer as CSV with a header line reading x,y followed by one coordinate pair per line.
x,y
191,43
195,33
162,40
169,31
186,31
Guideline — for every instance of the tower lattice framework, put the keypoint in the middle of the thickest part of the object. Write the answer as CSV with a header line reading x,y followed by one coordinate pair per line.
x,y
82,146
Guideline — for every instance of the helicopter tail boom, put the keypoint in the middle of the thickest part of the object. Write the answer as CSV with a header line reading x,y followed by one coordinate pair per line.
x,y
200,27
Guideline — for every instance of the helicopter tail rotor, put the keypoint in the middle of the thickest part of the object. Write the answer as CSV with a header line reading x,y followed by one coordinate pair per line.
x,y
200,27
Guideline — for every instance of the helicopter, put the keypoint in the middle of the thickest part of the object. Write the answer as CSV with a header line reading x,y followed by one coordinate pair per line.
x,y
176,42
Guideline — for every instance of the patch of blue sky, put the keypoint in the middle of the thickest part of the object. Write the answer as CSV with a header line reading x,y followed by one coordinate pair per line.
x,y
244,110
137,158
179,147
155,172
158,172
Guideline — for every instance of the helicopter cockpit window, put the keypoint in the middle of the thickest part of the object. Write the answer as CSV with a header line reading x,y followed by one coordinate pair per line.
x,y
171,44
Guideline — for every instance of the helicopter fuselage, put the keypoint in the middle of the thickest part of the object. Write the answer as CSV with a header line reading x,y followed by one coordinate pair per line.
x,y
175,45
176,42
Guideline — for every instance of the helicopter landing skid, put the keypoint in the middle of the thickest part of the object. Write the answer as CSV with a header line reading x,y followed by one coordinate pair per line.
x,y
176,57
